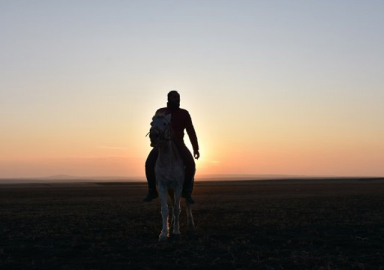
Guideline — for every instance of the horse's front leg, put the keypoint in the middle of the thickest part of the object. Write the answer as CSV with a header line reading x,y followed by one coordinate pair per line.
x,y
164,214
176,212
171,217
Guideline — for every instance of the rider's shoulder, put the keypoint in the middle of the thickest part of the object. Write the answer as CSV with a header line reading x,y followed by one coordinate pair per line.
x,y
166,111
183,111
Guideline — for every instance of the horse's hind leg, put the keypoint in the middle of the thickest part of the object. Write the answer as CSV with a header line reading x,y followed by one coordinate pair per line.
x,y
190,221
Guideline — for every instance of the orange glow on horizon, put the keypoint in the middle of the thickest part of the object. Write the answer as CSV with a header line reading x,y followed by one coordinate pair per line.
x,y
77,96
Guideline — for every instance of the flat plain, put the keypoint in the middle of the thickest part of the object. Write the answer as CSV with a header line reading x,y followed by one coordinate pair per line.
x,y
286,224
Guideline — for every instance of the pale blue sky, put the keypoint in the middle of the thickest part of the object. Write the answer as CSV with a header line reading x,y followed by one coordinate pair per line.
x,y
269,73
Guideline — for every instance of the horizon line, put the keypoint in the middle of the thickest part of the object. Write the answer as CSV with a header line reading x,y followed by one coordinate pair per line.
x,y
204,177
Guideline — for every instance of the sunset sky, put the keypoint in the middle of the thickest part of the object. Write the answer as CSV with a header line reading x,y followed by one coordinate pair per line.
x,y
273,87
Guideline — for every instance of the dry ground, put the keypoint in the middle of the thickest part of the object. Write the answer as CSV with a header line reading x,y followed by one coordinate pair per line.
x,y
304,224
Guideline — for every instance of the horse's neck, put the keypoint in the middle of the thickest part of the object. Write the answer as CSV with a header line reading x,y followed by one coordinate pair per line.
x,y
168,154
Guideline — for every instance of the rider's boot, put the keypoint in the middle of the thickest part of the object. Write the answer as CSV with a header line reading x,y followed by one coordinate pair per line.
x,y
152,192
187,190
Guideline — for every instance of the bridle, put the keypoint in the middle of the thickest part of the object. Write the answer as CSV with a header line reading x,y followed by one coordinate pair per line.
x,y
164,135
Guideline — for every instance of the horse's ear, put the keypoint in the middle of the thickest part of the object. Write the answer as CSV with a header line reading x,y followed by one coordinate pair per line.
x,y
168,117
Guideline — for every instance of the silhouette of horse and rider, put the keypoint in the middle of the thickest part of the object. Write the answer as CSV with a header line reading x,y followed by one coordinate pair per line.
x,y
170,165
180,121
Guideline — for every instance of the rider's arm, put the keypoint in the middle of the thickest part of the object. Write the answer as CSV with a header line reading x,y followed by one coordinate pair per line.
x,y
191,133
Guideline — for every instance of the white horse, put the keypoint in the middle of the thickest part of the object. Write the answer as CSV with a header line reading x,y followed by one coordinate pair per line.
x,y
169,170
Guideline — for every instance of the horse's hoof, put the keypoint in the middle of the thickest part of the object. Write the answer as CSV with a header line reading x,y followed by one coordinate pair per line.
x,y
163,238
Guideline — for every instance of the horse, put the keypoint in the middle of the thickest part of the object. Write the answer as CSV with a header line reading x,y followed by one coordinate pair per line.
x,y
169,171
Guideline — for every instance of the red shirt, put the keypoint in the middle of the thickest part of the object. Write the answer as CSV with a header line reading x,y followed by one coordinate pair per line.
x,y
181,120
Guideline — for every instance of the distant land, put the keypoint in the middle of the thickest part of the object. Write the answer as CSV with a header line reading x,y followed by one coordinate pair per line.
x,y
64,178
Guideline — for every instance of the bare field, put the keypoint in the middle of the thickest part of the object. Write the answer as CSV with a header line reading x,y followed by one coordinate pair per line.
x,y
303,224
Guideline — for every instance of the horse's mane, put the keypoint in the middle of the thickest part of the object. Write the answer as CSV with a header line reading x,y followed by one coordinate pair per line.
x,y
159,115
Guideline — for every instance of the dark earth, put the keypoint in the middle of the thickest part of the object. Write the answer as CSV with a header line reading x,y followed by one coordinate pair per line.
x,y
286,224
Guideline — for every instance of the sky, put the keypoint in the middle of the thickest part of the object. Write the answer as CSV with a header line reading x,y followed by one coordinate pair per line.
x,y
273,87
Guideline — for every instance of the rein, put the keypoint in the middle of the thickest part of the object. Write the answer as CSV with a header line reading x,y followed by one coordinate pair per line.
x,y
162,134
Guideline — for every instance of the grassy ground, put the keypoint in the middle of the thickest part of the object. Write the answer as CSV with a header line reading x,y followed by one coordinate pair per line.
x,y
244,225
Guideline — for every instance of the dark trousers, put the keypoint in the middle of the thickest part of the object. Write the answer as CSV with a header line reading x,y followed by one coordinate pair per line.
x,y
189,164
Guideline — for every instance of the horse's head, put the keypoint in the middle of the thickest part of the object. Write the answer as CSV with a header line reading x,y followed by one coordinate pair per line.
x,y
161,130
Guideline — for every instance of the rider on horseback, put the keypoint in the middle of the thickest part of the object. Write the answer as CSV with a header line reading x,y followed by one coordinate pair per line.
x,y
180,120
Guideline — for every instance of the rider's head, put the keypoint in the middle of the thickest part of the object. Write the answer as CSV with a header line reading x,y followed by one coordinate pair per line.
x,y
173,99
